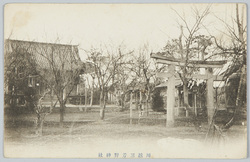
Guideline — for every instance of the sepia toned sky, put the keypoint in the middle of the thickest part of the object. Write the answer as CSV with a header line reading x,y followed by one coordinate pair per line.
x,y
90,25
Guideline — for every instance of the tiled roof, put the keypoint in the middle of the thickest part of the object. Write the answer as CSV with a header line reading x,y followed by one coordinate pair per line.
x,y
46,54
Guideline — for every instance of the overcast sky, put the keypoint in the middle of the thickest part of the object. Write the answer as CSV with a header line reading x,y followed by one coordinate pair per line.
x,y
91,24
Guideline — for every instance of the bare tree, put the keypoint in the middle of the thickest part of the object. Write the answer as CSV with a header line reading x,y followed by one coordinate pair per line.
x,y
189,46
143,72
92,89
235,49
42,111
106,65
22,77
59,66
17,71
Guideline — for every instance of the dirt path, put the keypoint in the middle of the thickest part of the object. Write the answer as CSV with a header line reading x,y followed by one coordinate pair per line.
x,y
84,136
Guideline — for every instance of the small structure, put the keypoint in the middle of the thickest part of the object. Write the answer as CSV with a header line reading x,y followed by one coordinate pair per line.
x,y
177,96
138,101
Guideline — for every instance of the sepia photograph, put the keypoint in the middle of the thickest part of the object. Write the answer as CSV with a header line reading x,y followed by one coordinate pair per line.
x,y
125,81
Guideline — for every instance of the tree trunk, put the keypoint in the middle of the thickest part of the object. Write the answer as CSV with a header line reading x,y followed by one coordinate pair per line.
x,y
241,82
86,97
62,105
61,113
195,105
238,98
147,101
140,107
136,101
102,104
39,125
41,113
92,95
130,107
185,96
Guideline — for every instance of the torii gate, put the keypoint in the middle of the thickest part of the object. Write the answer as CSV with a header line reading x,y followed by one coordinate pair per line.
x,y
171,75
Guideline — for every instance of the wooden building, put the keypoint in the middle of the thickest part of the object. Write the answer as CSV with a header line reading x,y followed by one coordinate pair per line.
x,y
22,60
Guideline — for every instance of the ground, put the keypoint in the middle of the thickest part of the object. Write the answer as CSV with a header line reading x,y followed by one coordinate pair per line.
x,y
84,135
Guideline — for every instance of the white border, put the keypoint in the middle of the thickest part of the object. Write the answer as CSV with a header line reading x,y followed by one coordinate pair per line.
x,y
3,2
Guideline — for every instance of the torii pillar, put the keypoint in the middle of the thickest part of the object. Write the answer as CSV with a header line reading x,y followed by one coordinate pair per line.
x,y
210,94
170,96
